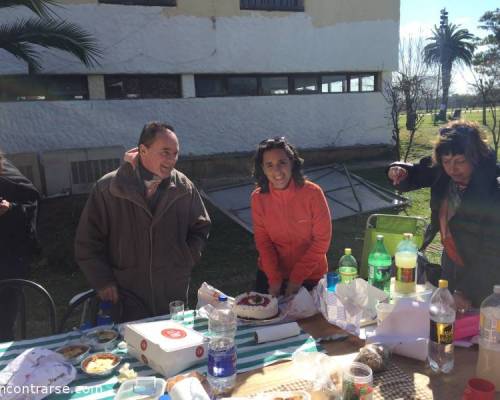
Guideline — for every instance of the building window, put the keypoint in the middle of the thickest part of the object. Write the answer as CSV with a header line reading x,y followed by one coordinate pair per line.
x,y
305,84
272,5
142,86
362,83
274,85
163,3
43,87
242,86
210,86
333,83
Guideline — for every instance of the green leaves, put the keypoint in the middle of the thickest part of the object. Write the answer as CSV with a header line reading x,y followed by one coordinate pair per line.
x,y
22,37
39,7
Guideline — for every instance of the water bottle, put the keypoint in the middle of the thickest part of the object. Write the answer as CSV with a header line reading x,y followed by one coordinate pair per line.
x,y
104,313
222,348
406,265
488,363
442,320
379,266
348,266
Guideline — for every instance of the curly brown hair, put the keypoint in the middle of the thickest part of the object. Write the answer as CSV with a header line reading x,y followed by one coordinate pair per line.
x,y
461,137
277,143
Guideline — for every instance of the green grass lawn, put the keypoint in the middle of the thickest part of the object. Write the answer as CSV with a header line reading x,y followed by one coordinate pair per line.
x,y
229,261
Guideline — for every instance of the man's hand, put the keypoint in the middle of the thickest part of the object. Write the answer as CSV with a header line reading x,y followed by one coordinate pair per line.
x,y
274,290
292,288
462,303
109,293
4,207
397,174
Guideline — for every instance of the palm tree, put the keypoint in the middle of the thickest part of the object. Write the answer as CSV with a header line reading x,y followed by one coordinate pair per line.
x,y
22,37
448,45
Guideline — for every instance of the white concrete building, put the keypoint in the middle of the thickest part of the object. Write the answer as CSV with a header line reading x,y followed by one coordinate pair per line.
x,y
225,73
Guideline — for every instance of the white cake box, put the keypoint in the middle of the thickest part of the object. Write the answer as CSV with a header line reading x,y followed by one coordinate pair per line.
x,y
166,346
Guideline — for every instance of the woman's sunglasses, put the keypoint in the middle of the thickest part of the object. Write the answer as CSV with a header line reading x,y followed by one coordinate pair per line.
x,y
277,140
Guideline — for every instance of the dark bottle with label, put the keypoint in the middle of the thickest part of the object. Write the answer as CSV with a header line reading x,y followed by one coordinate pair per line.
x,y
442,321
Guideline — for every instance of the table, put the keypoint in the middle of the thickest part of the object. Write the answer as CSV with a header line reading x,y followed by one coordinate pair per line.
x,y
251,380
439,386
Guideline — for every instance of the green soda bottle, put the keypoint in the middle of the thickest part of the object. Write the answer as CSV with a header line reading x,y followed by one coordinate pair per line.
x,y
379,266
348,266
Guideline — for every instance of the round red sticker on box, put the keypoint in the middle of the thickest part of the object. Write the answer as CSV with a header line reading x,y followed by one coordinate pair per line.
x,y
199,351
144,344
173,333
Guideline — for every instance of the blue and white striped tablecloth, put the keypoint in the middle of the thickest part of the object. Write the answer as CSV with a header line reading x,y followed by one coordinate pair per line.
x,y
250,356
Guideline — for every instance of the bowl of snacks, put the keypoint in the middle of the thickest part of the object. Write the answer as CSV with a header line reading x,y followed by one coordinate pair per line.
x,y
74,353
100,364
102,338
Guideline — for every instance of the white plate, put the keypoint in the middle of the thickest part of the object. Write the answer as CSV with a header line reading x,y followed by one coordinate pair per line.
x,y
259,322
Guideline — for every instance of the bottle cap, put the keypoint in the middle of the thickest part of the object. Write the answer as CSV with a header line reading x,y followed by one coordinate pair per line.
x,y
408,236
496,289
222,297
380,237
347,251
443,283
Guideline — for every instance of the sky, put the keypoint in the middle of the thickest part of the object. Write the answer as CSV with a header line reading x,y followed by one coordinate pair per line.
x,y
419,17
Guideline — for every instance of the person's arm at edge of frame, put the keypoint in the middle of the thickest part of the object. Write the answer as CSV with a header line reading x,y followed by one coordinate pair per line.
x,y
265,246
420,175
90,246
322,236
199,225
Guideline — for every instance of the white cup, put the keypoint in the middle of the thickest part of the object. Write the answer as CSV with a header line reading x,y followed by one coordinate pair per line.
x,y
383,310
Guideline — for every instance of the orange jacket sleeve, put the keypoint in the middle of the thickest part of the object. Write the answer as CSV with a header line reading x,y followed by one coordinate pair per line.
x,y
267,253
322,236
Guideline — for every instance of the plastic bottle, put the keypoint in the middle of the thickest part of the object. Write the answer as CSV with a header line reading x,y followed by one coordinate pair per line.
x,y
442,321
348,266
379,266
488,363
222,348
406,265
104,313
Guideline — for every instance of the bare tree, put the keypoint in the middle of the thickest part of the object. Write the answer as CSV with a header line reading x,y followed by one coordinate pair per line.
x,y
394,97
406,91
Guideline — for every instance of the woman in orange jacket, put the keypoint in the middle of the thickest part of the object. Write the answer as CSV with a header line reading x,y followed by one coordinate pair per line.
x,y
291,221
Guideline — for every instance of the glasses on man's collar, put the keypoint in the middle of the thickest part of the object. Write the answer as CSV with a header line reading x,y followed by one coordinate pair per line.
x,y
276,139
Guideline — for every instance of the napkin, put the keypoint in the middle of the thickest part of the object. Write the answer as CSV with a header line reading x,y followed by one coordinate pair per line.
x,y
276,332
405,330
188,389
36,368
349,304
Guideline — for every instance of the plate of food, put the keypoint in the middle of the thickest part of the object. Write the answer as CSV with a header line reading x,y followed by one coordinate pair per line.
x,y
74,352
102,338
100,364
254,308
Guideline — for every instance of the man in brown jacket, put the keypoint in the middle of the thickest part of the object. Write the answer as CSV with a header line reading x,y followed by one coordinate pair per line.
x,y
143,227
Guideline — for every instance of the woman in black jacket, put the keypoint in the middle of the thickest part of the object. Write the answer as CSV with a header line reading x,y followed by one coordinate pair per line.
x,y
18,210
462,175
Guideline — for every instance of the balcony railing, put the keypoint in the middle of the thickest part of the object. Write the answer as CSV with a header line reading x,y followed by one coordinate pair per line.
x,y
272,5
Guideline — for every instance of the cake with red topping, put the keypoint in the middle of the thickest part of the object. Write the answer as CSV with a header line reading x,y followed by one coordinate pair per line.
x,y
253,305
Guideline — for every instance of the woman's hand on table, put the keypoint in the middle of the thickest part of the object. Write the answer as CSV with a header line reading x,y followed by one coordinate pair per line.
x,y
397,174
274,290
292,288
